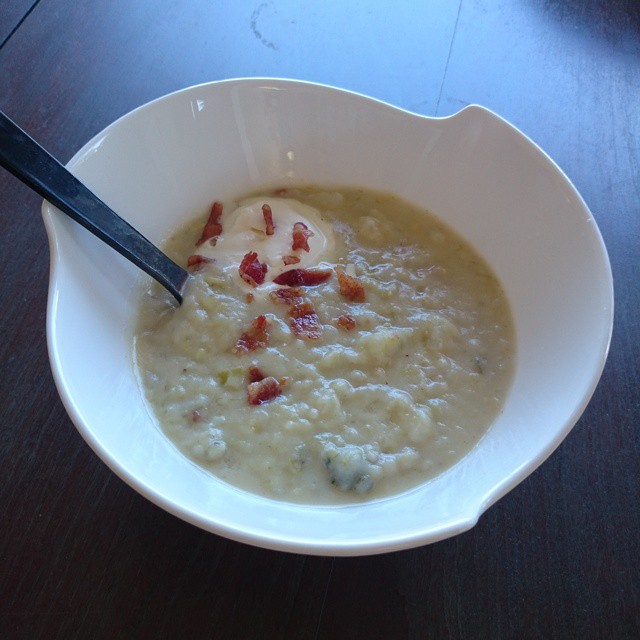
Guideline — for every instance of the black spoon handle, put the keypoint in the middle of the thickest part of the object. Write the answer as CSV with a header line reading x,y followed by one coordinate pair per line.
x,y
29,162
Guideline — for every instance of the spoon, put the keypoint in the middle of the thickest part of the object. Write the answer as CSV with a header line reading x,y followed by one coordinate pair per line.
x,y
29,162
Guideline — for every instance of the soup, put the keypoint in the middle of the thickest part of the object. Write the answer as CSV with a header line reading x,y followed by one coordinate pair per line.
x,y
332,346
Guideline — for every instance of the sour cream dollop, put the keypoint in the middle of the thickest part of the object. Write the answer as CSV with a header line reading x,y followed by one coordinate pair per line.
x,y
244,230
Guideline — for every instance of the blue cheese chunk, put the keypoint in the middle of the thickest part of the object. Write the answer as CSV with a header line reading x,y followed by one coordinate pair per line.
x,y
348,467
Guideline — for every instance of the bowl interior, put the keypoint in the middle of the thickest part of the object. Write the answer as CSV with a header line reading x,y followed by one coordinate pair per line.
x,y
169,159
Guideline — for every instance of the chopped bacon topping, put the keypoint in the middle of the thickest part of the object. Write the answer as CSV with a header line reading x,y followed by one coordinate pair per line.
x,y
213,228
350,287
301,235
249,297
256,337
268,219
303,277
304,322
290,259
255,375
251,271
263,390
292,295
196,262
346,322
195,416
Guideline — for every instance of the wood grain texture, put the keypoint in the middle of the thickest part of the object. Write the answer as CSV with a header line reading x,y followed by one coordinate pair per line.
x,y
82,555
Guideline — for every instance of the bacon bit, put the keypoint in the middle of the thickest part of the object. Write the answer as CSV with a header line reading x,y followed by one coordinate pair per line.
x,y
196,262
304,322
195,416
249,297
255,375
303,277
346,322
268,219
290,259
213,228
301,234
280,192
350,287
293,295
251,271
263,390
256,337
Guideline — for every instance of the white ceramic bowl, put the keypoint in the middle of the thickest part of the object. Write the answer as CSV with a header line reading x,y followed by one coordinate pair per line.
x,y
172,156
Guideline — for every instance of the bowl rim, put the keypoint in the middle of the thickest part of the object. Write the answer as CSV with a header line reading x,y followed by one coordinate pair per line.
x,y
373,544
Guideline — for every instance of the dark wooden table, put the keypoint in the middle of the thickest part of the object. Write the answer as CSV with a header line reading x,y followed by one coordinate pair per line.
x,y
83,556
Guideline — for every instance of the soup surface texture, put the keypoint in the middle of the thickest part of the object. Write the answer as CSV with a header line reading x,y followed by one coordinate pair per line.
x,y
380,355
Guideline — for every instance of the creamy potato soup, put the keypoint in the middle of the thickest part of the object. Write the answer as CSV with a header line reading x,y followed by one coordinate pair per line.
x,y
332,346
